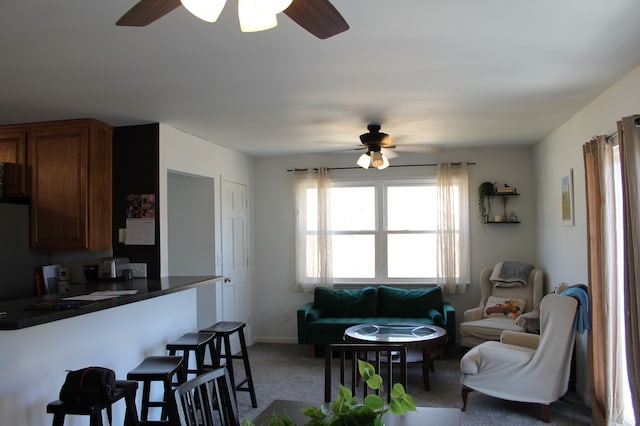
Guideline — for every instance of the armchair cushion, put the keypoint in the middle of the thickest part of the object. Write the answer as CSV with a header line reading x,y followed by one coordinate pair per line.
x,y
488,328
504,307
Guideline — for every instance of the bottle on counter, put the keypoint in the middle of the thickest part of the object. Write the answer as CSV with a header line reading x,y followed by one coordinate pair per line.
x,y
38,282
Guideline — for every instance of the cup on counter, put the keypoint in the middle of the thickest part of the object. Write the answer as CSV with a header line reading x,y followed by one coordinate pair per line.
x,y
127,274
64,274
497,218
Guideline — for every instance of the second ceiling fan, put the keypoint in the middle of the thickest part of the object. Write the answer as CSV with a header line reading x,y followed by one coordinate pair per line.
x,y
319,17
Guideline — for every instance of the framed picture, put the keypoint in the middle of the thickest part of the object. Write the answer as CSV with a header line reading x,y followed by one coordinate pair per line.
x,y
567,199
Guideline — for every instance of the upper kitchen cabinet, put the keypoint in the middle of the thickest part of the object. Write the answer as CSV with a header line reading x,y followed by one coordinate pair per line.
x,y
13,146
70,164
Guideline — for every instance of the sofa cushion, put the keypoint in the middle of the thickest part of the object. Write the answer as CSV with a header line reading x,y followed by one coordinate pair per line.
x,y
346,303
401,302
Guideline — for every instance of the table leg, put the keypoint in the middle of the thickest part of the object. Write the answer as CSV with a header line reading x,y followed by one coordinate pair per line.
x,y
427,364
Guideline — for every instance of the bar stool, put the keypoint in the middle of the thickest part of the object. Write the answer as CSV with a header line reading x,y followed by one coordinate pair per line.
x,y
158,369
196,343
124,389
221,332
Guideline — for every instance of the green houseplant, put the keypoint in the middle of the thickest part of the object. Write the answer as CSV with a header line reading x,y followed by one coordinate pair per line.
x,y
485,200
346,410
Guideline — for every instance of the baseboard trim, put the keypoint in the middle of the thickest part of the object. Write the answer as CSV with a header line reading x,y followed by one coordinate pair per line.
x,y
274,339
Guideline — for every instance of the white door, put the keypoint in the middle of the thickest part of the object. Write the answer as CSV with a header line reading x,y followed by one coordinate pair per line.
x,y
235,304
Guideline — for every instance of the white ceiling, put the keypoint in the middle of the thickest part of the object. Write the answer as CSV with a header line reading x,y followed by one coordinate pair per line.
x,y
442,73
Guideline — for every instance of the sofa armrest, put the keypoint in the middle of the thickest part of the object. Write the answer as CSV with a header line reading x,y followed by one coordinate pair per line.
x,y
449,321
302,315
435,316
473,314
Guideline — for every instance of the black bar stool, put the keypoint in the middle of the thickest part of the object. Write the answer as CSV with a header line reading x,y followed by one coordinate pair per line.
x,y
221,332
124,389
196,343
158,369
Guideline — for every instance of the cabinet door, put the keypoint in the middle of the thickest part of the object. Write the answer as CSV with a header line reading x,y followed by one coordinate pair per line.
x,y
13,150
59,207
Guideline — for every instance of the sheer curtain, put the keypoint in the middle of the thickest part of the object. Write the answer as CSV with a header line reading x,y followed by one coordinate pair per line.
x,y
313,223
606,345
452,235
629,133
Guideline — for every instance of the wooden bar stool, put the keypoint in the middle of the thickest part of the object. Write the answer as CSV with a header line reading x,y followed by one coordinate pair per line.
x,y
158,369
124,389
221,332
196,343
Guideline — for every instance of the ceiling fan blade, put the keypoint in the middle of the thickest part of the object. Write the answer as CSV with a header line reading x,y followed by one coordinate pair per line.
x,y
146,12
389,153
319,17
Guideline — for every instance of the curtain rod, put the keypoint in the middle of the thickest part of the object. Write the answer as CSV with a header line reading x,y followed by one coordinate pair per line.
x,y
397,165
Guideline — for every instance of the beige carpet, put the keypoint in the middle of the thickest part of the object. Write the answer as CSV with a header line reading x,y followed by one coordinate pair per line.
x,y
282,371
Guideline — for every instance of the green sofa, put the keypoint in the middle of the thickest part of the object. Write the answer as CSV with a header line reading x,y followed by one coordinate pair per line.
x,y
324,320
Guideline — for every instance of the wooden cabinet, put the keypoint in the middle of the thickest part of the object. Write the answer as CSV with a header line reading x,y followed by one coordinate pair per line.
x,y
13,146
70,183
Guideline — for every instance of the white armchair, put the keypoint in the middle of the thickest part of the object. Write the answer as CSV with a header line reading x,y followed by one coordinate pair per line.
x,y
478,327
526,367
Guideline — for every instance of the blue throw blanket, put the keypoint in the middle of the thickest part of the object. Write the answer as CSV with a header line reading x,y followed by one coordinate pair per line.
x,y
579,292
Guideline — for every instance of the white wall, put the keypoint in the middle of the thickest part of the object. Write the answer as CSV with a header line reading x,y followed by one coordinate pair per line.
x,y
562,251
275,295
181,153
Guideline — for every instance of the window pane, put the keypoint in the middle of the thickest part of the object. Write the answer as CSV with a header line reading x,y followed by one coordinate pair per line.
x,y
354,256
411,208
411,255
353,208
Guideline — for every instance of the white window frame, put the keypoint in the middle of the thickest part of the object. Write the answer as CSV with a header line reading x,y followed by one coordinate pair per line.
x,y
381,230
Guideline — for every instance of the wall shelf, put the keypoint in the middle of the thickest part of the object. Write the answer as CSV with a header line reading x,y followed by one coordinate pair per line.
x,y
503,222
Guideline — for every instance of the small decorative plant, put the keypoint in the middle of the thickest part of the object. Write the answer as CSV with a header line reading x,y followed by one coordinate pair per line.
x,y
346,410
485,191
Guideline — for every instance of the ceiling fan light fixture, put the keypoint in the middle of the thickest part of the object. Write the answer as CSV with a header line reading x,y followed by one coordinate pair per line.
x,y
377,159
252,19
364,161
207,10
385,163
271,7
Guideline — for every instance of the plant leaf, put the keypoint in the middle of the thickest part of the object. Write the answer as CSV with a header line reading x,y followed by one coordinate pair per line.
x,y
373,401
396,407
375,382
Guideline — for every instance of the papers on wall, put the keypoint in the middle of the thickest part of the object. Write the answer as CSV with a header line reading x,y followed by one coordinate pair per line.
x,y
141,225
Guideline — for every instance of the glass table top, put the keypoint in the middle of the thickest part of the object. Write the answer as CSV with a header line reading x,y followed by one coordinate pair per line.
x,y
393,332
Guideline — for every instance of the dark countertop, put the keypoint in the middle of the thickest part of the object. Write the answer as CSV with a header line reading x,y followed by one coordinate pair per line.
x,y
20,313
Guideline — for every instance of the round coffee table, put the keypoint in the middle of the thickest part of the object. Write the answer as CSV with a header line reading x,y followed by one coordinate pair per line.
x,y
422,338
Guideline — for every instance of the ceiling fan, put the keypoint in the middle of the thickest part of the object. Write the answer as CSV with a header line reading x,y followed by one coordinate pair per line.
x,y
319,17
374,141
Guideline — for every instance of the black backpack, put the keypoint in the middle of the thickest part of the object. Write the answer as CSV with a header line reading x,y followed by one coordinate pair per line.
x,y
88,385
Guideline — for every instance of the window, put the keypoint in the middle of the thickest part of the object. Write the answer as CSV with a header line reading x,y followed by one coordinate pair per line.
x,y
379,231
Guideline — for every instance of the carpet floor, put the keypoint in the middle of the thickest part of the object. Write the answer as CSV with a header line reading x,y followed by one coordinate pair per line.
x,y
285,371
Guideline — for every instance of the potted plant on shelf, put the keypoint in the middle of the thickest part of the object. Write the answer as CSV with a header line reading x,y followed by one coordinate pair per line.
x,y
346,410
485,202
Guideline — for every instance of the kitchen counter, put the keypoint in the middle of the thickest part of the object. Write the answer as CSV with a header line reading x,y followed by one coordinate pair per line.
x,y
21,313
